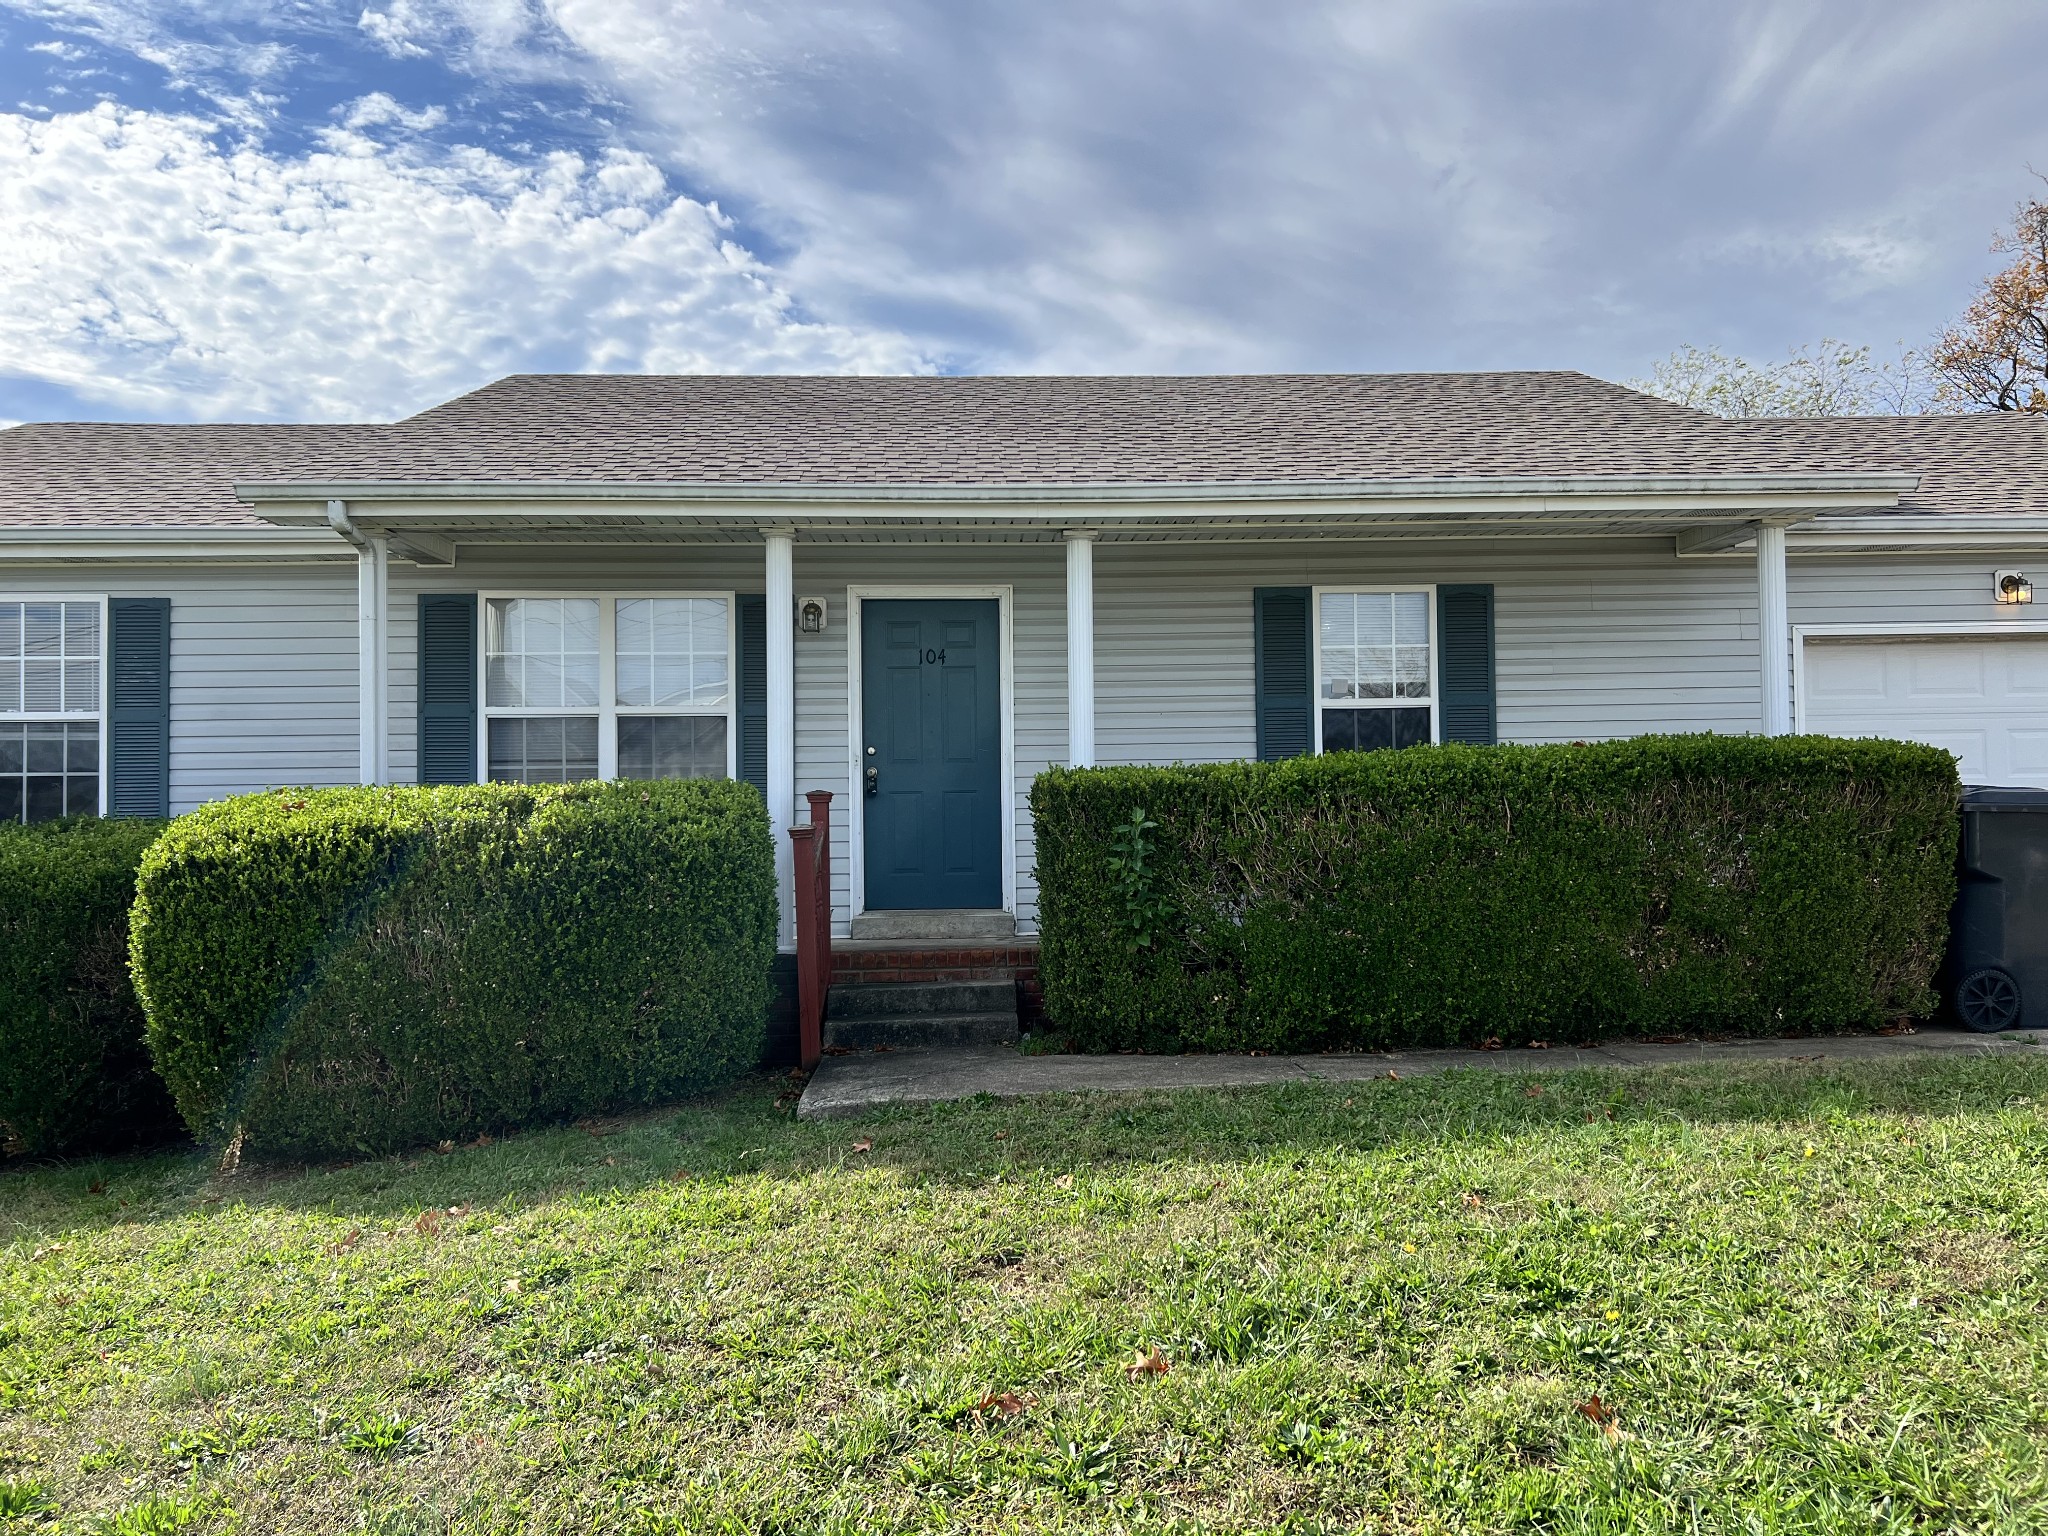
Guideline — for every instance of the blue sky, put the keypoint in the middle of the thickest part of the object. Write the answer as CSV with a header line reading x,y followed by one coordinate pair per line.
x,y
229,209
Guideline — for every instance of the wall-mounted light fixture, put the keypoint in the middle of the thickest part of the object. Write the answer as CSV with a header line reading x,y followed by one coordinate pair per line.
x,y
2012,587
811,613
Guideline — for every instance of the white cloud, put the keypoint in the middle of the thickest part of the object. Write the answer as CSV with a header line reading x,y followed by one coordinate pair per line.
x,y
379,110
153,267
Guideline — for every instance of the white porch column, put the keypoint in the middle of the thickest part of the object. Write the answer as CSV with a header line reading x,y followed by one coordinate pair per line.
x,y
1081,647
781,635
1774,629
373,646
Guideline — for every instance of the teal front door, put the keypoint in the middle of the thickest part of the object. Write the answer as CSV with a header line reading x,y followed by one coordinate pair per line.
x,y
932,758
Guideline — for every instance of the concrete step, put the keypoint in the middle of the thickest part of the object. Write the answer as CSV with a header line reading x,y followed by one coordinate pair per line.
x,y
908,1031
877,999
936,926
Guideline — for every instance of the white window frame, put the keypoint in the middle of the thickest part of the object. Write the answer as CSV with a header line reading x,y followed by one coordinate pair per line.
x,y
99,716
1315,682
608,710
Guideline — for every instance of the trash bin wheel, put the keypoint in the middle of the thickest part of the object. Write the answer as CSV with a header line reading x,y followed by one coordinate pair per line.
x,y
1988,1001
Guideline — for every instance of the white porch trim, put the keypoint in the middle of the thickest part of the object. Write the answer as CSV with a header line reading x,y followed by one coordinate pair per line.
x,y
373,645
780,625
1773,629
1081,647
856,816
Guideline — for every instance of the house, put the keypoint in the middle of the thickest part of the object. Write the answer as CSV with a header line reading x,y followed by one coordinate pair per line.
x,y
919,592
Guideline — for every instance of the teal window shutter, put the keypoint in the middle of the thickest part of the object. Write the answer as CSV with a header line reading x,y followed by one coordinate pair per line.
x,y
1464,665
753,690
139,706
1283,693
447,688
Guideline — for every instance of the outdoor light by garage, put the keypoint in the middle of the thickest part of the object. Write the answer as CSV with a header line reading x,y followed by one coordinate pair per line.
x,y
2012,587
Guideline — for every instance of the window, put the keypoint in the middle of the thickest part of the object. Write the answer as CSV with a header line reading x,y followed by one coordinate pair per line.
x,y
607,687
51,724
1375,671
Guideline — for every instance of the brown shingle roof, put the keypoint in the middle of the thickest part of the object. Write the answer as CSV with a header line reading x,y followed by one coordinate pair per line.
x,y
764,430
128,475
779,430
1995,461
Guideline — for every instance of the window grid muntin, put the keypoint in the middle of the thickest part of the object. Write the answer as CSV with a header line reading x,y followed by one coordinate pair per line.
x,y
1431,703
607,713
96,604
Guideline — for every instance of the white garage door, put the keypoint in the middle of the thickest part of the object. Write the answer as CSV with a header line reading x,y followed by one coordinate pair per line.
x,y
1983,698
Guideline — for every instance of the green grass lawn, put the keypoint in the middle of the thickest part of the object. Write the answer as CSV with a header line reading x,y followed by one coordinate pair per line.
x,y
1807,1299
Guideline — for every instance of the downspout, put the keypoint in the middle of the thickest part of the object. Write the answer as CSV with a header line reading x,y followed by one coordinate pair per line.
x,y
373,670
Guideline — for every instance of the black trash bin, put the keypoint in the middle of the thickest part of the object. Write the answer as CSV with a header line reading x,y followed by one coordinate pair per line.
x,y
1998,935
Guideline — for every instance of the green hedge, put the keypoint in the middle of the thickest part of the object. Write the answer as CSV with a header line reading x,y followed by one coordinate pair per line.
x,y
73,1068
359,970
1451,895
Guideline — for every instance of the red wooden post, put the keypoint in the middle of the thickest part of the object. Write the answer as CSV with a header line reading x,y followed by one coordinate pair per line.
x,y
811,876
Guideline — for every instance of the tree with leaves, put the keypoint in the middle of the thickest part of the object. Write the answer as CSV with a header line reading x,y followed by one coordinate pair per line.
x,y
1996,357
1830,379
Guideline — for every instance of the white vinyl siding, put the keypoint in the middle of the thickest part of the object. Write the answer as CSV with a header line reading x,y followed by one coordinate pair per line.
x,y
263,667
1595,639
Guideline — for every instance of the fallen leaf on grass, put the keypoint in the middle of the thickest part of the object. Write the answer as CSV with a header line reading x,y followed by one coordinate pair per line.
x,y
1533,1091
344,1244
1490,1043
1008,1404
1475,1198
96,1187
482,1141
1539,1045
611,1162
865,1144
1002,1136
1349,1102
1152,1362
45,1251
1393,1076
680,1176
1603,1416
429,1223
1064,1181
512,1286
444,1147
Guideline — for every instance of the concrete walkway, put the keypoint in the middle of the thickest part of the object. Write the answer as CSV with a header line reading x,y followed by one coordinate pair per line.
x,y
854,1084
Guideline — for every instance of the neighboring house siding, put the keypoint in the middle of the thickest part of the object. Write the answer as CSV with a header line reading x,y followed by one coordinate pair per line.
x,y
263,667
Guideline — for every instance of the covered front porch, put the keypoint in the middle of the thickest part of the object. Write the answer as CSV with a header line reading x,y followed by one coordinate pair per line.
x,y
1121,625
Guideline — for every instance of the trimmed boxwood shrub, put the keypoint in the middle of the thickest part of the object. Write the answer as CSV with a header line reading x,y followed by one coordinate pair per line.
x,y
1452,895
74,1071
359,970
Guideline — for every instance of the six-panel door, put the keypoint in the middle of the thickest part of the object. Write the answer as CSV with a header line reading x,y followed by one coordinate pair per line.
x,y
931,760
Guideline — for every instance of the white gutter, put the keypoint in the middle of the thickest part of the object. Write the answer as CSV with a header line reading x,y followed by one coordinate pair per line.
x,y
1834,489
373,669
1902,533
272,543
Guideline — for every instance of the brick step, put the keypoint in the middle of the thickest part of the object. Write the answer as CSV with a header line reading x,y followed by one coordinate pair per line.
x,y
908,1030
888,999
